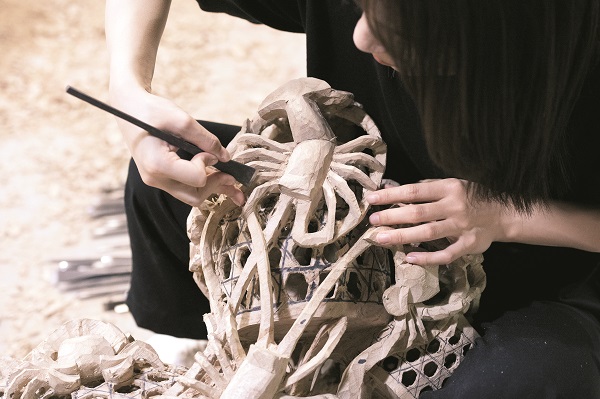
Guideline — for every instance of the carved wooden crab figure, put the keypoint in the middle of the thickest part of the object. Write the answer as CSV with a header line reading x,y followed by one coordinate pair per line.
x,y
295,283
308,198
88,359
302,301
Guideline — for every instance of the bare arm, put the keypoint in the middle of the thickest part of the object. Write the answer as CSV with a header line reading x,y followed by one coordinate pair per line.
x,y
561,224
133,32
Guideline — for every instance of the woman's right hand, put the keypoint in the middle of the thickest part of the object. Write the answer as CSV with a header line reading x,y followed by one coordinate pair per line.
x,y
133,32
158,163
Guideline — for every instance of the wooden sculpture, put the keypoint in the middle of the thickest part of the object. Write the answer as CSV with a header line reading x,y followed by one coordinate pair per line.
x,y
303,303
87,359
295,283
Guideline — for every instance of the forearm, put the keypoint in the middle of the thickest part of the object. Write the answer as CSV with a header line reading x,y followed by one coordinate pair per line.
x,y
560,224
133,32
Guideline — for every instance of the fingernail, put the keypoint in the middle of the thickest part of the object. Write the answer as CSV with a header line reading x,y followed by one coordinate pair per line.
x,y
242,200
225,156
211,161
237,201
411,258
383,238
371,198
374,219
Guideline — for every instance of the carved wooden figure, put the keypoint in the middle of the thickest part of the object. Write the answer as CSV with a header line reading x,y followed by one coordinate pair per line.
x,y
295,283
87,359
302,300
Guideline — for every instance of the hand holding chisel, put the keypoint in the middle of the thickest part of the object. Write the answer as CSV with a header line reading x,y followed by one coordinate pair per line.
x,y
239,171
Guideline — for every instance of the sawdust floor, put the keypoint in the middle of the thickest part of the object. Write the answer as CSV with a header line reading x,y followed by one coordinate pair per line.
x,y
58,153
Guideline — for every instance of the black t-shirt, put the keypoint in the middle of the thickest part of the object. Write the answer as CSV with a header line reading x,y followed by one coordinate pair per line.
x,y
516,273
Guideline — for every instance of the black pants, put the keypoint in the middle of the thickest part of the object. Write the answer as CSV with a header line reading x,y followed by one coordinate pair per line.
x,y
541,349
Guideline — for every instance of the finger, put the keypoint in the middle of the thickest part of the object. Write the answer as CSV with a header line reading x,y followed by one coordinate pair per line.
x,y
389,183
215,182
190,173
409,214
205,159
408,193
195,133
223,183
443,257
421,233
193,196
233,192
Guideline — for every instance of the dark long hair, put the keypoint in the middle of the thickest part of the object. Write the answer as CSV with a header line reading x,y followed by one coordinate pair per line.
x,y
495,82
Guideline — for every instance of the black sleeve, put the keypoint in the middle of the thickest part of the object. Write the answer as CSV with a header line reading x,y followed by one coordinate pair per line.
x,y
285,15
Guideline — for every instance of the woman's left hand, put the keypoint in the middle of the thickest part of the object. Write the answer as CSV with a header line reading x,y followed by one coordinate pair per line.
x,y
438,209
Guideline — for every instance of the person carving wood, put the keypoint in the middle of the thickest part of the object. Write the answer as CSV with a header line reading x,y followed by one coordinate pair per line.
x,y
490,113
